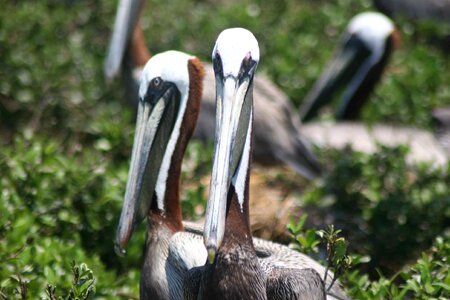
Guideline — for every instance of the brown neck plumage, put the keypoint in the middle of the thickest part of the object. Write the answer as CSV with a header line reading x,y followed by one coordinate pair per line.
x,y
137,49
237,222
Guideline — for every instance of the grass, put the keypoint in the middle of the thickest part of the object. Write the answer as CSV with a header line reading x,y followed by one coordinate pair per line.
x,y
66,137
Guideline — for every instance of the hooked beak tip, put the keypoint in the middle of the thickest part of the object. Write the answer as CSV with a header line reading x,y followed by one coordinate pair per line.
x,y
211,254
119,250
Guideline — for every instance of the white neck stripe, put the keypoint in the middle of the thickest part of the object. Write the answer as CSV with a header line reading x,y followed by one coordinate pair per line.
x,y
167,159
240,177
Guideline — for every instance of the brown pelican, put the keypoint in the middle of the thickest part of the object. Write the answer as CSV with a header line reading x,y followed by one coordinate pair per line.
x,y
367,44
169,103
233,270
358,64
277,127
170,93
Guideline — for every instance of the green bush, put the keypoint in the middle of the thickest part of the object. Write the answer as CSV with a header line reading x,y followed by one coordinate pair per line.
x,y
387,209
65,139
51,207
428,278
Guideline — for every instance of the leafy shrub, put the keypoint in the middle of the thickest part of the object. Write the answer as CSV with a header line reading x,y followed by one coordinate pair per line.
x,y
387,209
50,206
66,138
428,278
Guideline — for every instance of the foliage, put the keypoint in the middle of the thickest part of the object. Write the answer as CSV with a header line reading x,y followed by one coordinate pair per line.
x,y
297,39
428,278
337,258
50,206
386,208
66,135
305,239
83,284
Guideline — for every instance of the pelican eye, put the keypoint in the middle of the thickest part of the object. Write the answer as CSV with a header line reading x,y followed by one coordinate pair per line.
x,y
217,62
247,66
246,63
154,90
156,82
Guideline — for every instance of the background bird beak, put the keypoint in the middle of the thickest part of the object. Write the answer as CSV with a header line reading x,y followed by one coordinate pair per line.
x,y
344,66
126,17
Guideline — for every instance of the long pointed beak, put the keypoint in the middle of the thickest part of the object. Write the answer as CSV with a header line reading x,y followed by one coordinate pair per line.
x,y
126,17
232,120
154,124
339,72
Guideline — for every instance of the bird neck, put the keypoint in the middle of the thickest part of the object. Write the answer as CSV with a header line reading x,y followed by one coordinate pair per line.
x,y
171,197
138,50
353,102
237,221
236,262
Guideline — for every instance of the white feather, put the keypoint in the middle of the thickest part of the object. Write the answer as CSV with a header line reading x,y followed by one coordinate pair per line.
x,y
373,29
241,174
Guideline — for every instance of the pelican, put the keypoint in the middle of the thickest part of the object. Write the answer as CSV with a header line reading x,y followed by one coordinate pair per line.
x,y
366,46
233,270
169,103
170,92
277,135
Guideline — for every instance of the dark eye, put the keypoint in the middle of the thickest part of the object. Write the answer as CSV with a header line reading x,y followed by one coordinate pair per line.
x,y
156,82
247,65
247,60
217,63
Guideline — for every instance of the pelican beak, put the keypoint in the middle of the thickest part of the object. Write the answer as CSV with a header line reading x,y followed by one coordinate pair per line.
x,y
157,114
233,114
126,17
347,63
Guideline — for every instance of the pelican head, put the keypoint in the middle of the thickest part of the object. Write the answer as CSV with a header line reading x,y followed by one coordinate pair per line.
x,y
364,45
164,94
373,29
235,58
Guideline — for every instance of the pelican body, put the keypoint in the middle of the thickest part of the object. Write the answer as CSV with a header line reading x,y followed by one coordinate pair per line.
x,y
239,267
277,127
169,102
